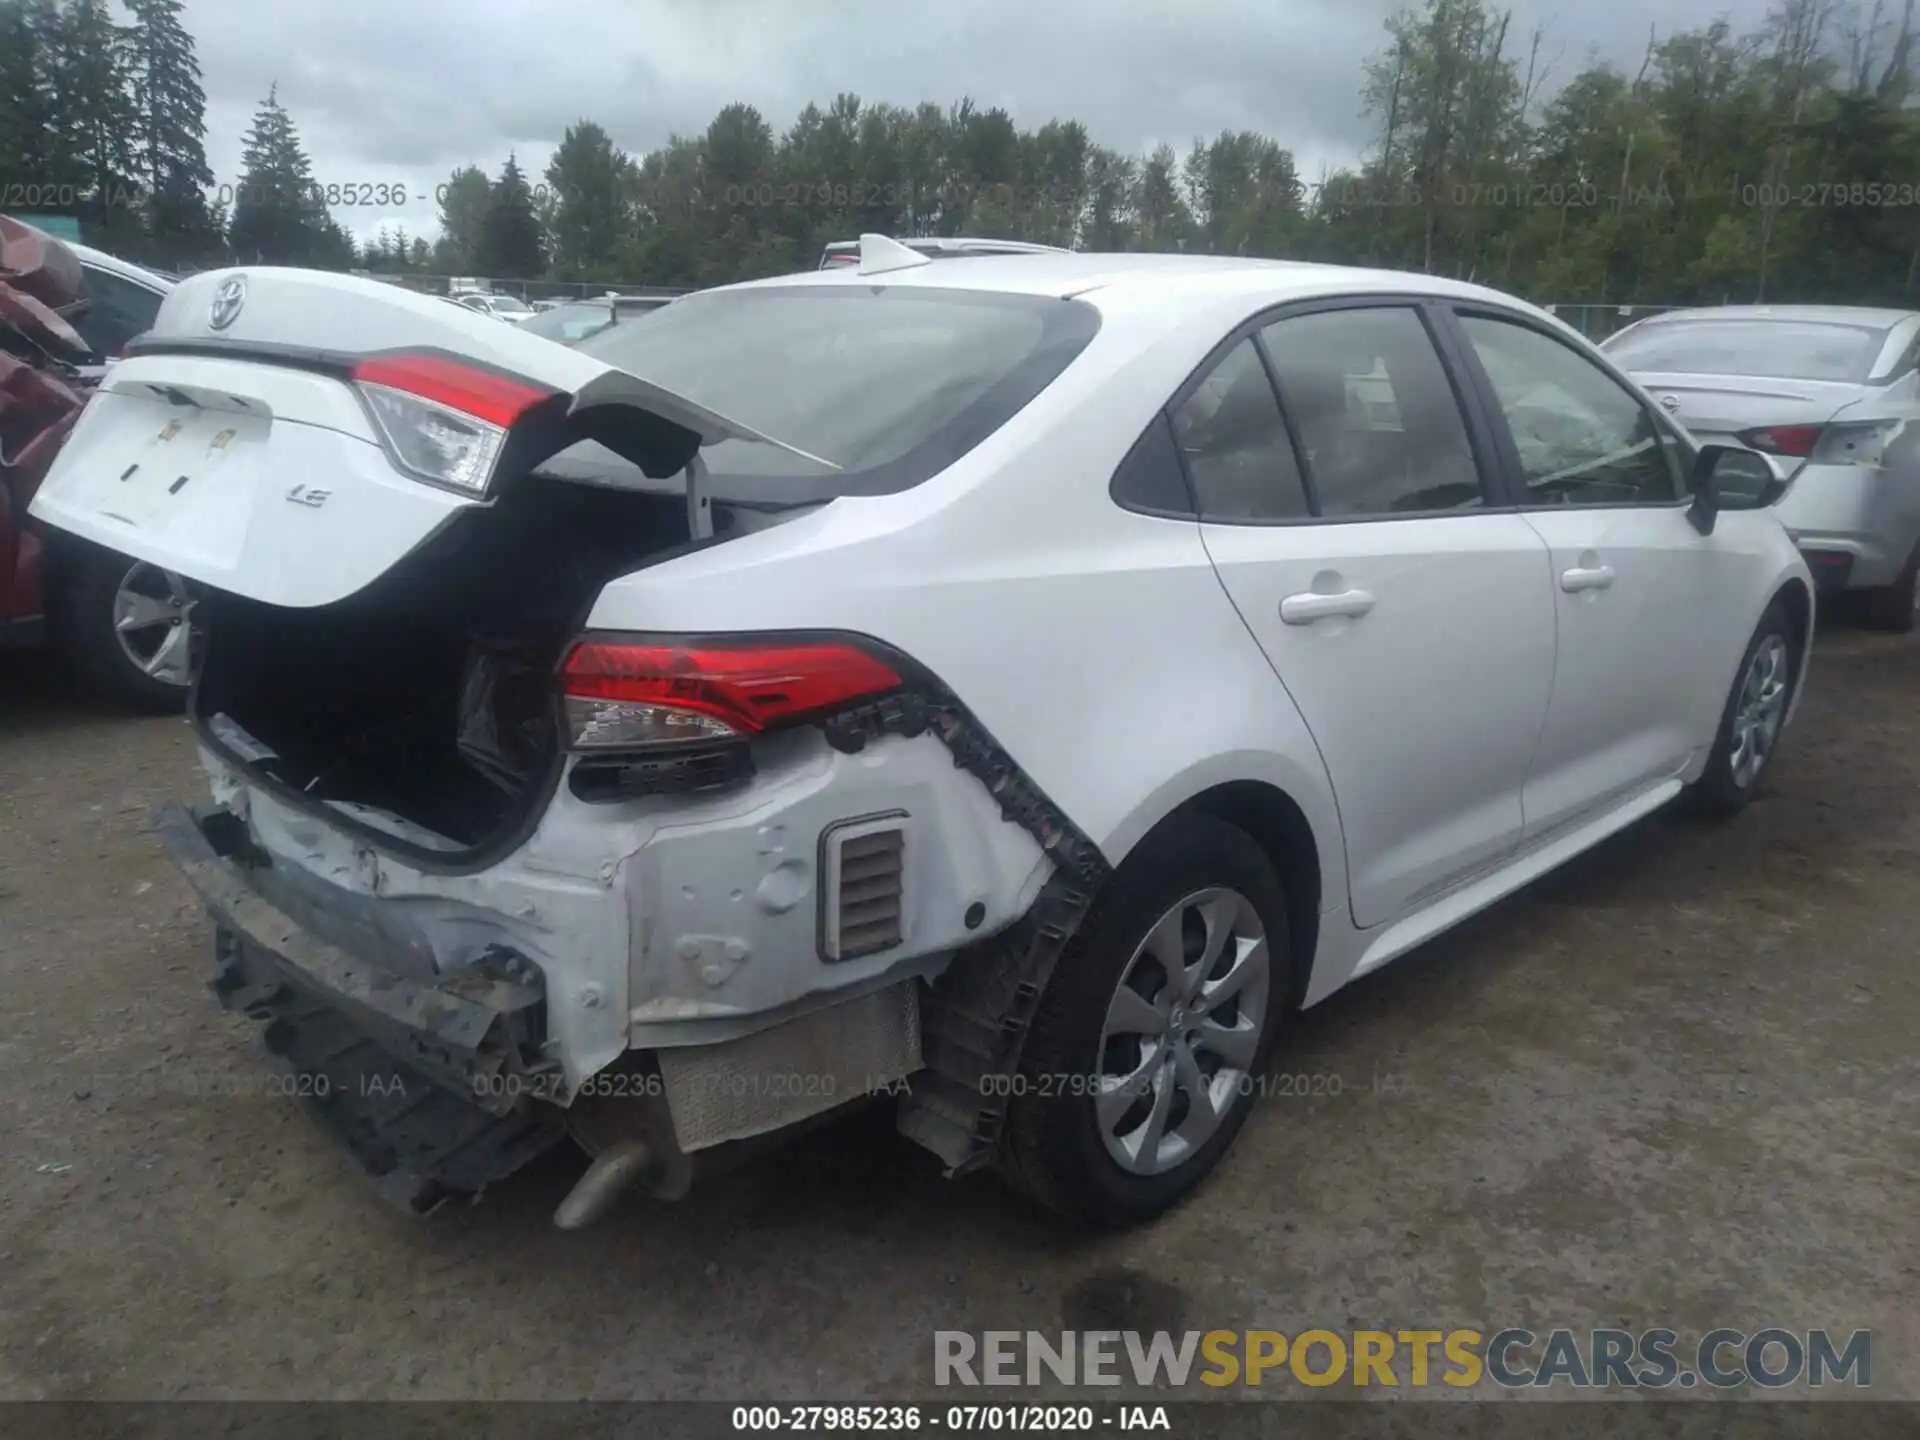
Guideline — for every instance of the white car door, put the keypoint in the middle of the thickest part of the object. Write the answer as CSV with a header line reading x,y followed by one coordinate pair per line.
x,y
1409,621
1650,611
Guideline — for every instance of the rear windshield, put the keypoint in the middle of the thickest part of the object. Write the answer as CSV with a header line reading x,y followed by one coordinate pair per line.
x,y
890,383
1768,349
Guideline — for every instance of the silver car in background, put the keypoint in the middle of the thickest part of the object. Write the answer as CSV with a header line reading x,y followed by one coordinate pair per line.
x,y
1833,390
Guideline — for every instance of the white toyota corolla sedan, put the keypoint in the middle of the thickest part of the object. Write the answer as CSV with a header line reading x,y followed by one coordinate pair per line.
x,y
1011,685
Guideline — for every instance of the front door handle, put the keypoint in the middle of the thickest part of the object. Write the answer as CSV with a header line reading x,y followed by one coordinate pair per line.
x,y
1599,577
1306,608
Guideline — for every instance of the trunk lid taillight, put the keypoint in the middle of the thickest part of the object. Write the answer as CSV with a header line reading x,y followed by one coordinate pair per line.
x,y
637,694
442,420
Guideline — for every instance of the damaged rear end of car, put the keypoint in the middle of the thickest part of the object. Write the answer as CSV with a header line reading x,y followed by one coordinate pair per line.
x,y
491,876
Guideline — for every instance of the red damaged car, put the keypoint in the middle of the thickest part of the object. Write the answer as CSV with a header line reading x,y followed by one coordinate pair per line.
x,y
128,627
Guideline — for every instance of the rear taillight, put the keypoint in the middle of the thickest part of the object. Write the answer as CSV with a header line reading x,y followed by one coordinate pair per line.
x,y
631,694
442,420
1795,440
1850,442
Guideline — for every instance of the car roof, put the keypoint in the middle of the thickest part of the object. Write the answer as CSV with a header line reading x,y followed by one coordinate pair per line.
x,y
1876,316
1148,277
114,265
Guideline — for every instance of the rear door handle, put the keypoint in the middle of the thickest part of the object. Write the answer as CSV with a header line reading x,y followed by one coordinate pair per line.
x,y
1600,577
1306,608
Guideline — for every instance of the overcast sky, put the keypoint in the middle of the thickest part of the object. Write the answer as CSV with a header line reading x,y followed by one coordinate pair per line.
x,y
403,91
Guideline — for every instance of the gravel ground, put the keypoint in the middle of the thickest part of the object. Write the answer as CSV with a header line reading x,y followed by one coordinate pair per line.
x,y
1672,1085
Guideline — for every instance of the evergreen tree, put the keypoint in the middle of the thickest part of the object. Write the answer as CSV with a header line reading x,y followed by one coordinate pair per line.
x,y
169,132
32,152
587,180
278,216
91,68
464,201
510,240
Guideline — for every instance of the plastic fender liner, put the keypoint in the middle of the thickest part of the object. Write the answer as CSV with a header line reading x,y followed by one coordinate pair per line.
x,y
975,1019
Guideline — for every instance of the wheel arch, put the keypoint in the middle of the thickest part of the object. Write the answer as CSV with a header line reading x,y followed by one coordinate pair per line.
x,y
1796,595
1280,826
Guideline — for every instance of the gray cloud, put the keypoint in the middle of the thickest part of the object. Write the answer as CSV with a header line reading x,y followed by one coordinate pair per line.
x,y
403,91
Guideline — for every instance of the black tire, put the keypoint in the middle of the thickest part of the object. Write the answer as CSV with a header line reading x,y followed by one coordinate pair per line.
x,y
1052,1146
83,620
1892,607
1719,792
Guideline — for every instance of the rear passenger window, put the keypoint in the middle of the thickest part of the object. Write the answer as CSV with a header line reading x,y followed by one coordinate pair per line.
x,y
1376,417
1149,478
1235,444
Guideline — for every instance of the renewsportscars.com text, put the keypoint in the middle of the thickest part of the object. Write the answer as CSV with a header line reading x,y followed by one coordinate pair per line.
x,y
1513,1358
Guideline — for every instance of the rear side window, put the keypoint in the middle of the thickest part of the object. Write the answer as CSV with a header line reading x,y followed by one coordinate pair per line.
x,y
1376,416
1235,444
891,383
118,311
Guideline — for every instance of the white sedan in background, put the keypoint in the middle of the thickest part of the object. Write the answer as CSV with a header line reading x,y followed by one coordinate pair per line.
x,y
500,307
1834,392
1021,681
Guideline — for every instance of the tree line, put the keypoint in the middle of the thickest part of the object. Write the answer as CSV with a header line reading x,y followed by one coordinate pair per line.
x,y
1779,163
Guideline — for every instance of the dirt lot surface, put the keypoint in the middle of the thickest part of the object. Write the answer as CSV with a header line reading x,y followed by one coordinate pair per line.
x,y
1673,1085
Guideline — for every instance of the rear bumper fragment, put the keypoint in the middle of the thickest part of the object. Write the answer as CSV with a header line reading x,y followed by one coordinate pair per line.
x,y
430,1087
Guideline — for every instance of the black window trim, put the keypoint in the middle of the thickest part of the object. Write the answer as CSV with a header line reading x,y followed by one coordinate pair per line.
x,y
1515,472
1482,437
1162,420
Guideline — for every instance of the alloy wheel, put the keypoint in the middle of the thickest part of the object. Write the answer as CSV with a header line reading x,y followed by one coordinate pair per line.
x,y
153,619
1182,1031
1759,711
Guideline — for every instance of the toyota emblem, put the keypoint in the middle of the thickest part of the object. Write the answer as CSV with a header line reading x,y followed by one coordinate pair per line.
x,y
227,301
1669,403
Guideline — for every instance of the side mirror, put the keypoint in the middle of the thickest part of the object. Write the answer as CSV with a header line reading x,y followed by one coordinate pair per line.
x,y
1729,477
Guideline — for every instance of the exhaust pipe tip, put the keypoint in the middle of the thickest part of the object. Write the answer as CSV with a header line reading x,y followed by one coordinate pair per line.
x,y
611,1175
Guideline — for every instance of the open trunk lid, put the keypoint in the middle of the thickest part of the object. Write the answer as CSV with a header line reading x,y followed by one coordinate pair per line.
x,y
250,440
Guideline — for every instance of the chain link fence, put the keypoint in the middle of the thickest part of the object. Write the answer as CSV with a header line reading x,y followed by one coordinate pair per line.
x,y
1597,322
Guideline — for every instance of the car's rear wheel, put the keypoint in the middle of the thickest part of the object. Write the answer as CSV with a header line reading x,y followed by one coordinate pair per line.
x,y
1897,606
1755,714
131,630
1145,1055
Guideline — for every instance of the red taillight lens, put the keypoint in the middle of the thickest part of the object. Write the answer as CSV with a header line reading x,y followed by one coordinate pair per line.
x,y
1795,440
443,421
623,694
484,394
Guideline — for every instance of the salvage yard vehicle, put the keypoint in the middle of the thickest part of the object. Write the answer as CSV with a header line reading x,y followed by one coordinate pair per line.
x,y
1832,389
1012,684
65,312
572,321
